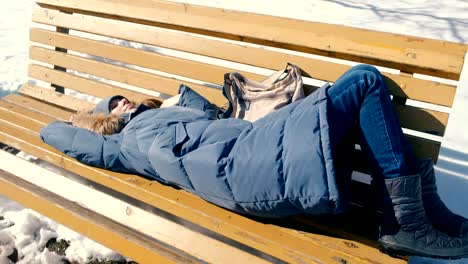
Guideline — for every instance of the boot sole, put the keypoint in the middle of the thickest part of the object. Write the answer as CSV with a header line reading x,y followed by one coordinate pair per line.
x,y
396,250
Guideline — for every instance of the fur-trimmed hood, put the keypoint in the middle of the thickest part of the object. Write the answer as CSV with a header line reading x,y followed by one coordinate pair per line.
x,y
99,123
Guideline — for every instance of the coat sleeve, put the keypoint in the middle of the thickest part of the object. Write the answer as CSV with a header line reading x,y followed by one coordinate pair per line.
x,y
190,98
85,146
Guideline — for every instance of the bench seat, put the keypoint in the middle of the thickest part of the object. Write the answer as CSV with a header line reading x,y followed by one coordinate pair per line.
x,y
290,240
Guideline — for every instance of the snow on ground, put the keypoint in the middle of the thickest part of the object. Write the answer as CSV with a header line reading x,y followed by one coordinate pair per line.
x,y
28,232
440,19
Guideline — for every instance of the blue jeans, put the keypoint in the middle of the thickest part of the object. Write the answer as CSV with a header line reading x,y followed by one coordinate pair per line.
x,y
361,96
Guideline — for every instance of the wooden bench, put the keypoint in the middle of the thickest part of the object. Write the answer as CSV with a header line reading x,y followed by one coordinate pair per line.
x,y
136,48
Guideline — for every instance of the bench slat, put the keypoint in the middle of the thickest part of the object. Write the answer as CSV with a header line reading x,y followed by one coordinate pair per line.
x,y
46,109
56,98
267,238
81,84
402,86
420,119
424,148
122,74
25,112
13,120
411,54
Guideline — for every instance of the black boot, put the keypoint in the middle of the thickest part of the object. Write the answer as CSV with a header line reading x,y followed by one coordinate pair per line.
x,y
438,214
412,233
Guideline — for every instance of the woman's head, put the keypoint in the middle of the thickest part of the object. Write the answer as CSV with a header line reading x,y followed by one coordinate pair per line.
x,y
104,106
111,114
119,106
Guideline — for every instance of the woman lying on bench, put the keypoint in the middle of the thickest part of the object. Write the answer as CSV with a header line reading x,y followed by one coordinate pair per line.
x,y
292,161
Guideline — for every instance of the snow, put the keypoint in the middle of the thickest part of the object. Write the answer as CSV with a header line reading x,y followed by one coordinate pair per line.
x,y
28,232
14,42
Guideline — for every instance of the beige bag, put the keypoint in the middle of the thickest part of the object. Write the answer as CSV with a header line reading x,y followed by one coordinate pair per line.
x,y
251,100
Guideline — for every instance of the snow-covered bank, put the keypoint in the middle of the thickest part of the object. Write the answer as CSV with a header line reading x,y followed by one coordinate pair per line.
x,y
15,20
27,232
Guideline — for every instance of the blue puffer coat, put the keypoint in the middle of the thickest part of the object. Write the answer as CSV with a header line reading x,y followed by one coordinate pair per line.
x,y
278,166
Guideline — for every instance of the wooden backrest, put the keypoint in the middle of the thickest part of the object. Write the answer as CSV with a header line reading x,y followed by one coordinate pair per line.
x,y
120,47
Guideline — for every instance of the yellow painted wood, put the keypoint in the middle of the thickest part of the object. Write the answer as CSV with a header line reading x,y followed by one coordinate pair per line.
x,y
82,84
151,60
403,86
56,98
412,54
41,120
10,118
263,237
123,74
103,230
41,107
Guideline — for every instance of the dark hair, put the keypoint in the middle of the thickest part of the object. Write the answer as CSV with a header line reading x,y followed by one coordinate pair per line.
x,y
151,103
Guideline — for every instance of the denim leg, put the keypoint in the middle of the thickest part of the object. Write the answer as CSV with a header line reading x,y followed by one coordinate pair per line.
x,y
361,95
